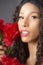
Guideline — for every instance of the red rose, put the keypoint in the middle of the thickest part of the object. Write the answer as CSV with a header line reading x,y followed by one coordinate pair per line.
x,y
11,32
6,60
7,41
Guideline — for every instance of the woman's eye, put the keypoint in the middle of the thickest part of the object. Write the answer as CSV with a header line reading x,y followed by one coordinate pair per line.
x,y
34,17
20,17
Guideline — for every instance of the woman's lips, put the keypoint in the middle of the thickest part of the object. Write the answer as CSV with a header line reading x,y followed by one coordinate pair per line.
x,y
24,33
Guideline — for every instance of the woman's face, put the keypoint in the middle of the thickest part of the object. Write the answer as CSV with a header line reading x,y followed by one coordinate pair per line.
x,y
29,22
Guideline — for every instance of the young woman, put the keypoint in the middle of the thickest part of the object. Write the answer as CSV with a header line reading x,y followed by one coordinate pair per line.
x,y
28,48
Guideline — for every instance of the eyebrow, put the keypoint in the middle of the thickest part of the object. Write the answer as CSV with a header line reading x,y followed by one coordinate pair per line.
x,y
31,12
36,12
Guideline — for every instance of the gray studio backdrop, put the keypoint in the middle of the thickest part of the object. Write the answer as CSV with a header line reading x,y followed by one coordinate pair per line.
x,y
7,8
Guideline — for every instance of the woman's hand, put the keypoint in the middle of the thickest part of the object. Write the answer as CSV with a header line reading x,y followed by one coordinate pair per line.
x,y
2,51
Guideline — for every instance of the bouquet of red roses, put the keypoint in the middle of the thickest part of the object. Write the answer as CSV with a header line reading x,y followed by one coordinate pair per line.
x,y
8,33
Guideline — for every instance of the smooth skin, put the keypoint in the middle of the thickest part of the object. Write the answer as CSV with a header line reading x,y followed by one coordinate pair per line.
x,y
29,20
2,51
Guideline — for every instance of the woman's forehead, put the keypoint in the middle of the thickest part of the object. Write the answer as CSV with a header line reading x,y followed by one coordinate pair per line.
x,y
28,7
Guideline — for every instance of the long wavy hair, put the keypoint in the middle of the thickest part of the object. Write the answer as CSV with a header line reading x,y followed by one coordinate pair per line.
x,y
20,48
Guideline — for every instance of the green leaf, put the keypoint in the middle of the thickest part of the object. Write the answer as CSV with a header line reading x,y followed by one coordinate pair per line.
x,y
1,35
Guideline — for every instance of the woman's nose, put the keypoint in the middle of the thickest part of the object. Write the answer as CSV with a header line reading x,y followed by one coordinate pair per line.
x,y
25,23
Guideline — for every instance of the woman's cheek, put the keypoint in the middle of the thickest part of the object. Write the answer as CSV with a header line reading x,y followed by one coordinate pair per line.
x,y
19,25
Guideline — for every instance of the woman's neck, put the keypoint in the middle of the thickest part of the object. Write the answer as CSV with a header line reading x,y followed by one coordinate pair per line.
x,y
32,50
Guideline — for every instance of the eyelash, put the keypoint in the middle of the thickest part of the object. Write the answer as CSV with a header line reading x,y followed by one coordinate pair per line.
x,y
20,17
35,17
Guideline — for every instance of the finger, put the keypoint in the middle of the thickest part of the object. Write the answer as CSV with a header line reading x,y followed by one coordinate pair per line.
x,y
2,52
1,56
1,47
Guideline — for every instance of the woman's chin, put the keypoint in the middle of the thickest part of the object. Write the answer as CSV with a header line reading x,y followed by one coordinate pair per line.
x,y
25,40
